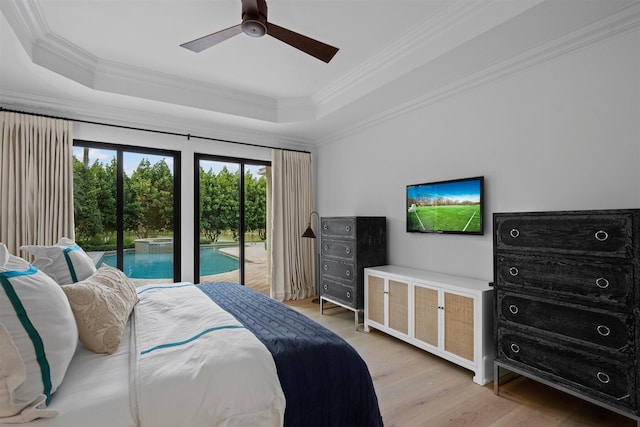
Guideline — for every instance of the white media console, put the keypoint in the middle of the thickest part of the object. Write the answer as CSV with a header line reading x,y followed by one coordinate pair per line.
x,y
447,315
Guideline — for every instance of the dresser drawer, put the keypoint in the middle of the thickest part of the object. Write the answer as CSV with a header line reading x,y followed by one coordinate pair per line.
x,y
337,269
339,249
608,330
593,282
604,378
344,228
602,234
339,291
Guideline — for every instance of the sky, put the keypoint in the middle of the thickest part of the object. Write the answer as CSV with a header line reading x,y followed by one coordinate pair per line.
x,y
132,160
458,190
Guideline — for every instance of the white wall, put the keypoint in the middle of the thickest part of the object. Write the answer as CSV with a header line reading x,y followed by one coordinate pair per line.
x,y
187,148
562,135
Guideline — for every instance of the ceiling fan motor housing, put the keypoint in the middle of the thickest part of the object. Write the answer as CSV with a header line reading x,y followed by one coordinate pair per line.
x,y
254,21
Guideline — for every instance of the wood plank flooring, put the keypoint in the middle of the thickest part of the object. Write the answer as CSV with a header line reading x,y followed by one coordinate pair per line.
x,y
415,388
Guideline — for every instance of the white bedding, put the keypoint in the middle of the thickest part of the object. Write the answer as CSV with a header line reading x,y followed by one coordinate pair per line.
x,y
222,376
217,370
94,392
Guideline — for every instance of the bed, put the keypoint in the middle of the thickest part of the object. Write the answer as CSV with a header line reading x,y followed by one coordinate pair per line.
x,y
216,354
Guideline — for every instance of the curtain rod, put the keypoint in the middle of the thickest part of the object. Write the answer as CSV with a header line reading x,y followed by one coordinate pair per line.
x,y
186,135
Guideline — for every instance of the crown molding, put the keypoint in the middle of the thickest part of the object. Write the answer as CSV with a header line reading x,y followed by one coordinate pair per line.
x,y
622,21
136,118
55,53
126,80
26,21
399,62
419,46
414,38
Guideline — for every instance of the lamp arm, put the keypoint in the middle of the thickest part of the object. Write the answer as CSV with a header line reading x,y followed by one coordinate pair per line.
x,y
311,216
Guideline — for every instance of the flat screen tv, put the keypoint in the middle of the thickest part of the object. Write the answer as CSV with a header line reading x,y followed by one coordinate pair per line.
x,y
453,206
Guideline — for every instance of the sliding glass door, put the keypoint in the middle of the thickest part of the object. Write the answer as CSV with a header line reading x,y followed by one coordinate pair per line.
x,y
125,202
256,262
231,230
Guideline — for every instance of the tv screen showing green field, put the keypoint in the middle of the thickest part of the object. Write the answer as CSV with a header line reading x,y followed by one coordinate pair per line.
x,y
446,206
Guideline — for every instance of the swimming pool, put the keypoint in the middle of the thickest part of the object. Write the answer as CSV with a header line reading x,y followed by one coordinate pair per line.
x,y
160,266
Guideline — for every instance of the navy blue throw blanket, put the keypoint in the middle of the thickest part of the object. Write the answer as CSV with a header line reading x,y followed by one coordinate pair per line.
x,y
324,380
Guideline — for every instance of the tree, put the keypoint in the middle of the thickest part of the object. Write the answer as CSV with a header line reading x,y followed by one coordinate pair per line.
x,y
226,203
106,195
132,206
153,187
88,218
256,204
208,214
219,205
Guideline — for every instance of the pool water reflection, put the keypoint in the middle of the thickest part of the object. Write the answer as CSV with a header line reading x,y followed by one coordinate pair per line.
x,y
160,266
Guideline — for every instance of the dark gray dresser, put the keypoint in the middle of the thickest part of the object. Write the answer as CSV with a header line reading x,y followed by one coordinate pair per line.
x,y
567,302
348,245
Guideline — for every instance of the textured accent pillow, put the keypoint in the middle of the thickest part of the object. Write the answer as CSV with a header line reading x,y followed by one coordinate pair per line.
x,y
36,315
65,261
101,305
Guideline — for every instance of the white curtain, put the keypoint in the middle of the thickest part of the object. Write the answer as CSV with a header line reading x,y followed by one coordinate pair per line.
x,y
292,256
36,195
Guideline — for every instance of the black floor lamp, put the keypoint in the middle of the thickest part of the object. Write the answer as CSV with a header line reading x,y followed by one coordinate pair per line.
x,y
311,235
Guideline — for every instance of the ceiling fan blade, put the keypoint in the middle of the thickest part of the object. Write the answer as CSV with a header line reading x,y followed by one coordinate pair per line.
x,y
322,51
198,45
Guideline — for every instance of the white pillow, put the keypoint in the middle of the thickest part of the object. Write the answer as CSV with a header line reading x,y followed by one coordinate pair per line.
x,y
36,314
65,262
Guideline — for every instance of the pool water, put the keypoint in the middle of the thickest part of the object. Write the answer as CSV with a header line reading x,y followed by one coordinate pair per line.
x,y
160,266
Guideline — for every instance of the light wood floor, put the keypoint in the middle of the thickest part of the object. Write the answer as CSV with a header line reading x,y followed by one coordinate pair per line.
x,y
415,388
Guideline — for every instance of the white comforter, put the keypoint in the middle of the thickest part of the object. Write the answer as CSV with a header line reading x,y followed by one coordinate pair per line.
x,y
195,365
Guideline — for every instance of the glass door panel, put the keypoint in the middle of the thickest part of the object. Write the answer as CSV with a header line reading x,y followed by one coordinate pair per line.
x,y
94,198
124,204
148,217
256,265
220,225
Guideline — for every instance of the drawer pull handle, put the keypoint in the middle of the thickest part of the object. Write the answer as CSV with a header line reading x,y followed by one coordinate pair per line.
x,y
348,250
515,348
326,248
602,283
348,294
603,378
326,287
348,273
325,267
348,228
601,235
514,233
603,330
514,271
325,227
513,309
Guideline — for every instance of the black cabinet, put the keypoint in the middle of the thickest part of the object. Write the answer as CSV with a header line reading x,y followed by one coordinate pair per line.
x,y
348,245
567,302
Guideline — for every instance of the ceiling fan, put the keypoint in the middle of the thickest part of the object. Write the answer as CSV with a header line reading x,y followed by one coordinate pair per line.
x,y
255,24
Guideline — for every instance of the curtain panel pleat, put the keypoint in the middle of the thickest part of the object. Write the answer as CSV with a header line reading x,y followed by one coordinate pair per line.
x,y
292,256
36,195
